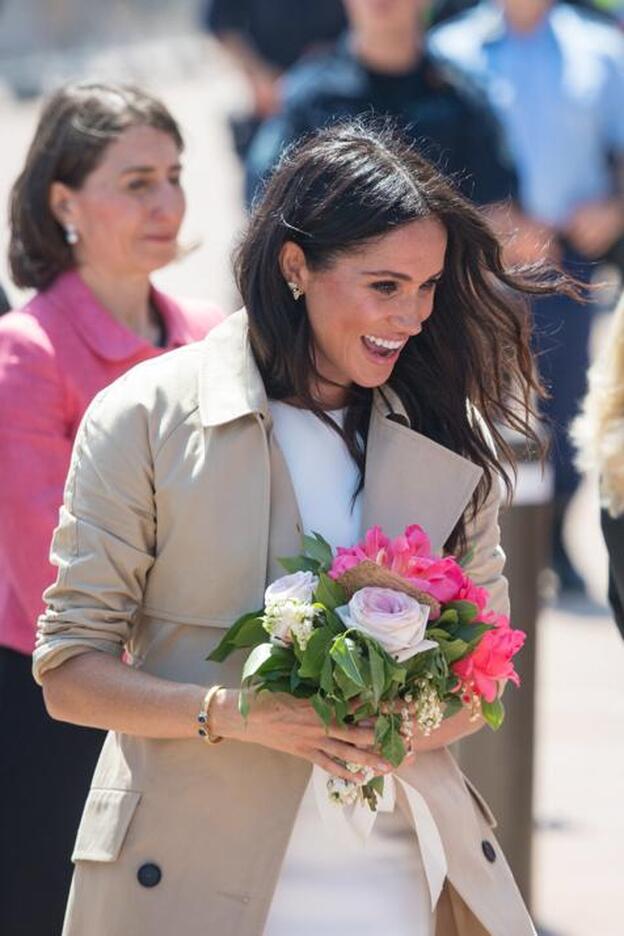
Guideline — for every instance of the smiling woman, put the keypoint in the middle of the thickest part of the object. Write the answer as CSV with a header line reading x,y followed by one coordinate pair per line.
x,y
378,321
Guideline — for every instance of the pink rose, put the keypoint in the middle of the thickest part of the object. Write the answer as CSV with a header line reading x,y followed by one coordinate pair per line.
x,y
393,619
441,578
468,591
374,547
483,669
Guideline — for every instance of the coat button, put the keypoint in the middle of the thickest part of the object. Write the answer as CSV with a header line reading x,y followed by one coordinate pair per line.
x,y
149,875
488,850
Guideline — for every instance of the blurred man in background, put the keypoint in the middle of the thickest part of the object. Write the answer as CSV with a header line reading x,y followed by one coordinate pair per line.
x,y
264,38
555,76
381,67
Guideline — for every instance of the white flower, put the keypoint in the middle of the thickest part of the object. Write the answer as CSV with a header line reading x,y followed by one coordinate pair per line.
x,y
299,586
395,620
342,792
288,612
287,620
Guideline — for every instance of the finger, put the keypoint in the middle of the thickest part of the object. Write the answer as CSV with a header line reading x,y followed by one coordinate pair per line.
x,y
334,768
363,738
347,752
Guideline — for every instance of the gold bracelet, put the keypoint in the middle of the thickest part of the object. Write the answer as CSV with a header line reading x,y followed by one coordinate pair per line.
x,y
203,729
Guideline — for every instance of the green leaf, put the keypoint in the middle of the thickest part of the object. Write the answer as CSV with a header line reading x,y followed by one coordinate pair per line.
x,y
322,708
378,671
493,712
347,687
392,747
336,623
251,634
255,660
466,610
450,616
326,680
228,644
294,679
329,593
316,652
454,650
318,548
341,710
473,632
345,653
299,564
382,727
377,783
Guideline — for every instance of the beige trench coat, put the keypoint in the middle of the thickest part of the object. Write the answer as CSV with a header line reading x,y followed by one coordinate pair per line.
x,y
176,507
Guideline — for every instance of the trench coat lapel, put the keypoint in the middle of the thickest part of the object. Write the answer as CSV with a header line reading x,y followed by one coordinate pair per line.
x,y
410,478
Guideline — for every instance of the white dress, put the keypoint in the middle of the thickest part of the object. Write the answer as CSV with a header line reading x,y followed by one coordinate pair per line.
x,y
330,885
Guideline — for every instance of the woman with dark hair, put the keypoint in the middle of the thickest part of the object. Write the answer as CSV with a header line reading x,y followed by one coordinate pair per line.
x,y
362,384
96,209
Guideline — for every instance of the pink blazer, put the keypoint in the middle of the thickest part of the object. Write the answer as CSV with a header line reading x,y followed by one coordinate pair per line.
x,y
56,353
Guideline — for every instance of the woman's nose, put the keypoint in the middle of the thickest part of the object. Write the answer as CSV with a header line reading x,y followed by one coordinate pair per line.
x,y
169,202
411,315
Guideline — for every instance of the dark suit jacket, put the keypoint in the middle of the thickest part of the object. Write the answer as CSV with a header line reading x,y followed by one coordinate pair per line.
x,y
613,531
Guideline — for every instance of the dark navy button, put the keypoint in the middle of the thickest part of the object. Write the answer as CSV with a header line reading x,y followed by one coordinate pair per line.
x,y
488,850
149,875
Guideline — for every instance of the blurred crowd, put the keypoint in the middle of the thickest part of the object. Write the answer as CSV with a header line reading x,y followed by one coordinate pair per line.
x,y
519,101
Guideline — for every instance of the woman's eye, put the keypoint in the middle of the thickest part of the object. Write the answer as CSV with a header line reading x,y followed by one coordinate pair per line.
x,y
174,180
137,184
385,287
430,286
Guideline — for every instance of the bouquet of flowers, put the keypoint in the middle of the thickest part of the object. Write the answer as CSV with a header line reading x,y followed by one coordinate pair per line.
x,y
385,631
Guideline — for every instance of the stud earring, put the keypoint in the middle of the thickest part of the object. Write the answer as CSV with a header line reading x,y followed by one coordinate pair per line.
x,y
71,234
296,290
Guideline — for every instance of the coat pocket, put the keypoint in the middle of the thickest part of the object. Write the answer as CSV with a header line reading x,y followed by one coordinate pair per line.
x,y
482,806
104,824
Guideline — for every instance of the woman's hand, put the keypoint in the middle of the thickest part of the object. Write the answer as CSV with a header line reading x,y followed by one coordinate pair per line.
x,y
283,723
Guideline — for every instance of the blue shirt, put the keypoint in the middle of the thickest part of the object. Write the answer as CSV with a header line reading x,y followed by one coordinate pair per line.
x,y
559,93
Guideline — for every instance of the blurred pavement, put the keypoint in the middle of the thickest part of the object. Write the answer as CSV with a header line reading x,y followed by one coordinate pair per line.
x,y
579,849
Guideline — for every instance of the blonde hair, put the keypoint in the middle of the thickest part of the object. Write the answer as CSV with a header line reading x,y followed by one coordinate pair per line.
x,y
598,431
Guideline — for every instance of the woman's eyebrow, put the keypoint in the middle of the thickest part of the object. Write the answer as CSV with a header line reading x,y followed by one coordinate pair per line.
x,y
145,169
401,276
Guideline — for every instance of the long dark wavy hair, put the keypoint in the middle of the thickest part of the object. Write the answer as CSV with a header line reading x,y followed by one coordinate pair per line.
x,y
350,184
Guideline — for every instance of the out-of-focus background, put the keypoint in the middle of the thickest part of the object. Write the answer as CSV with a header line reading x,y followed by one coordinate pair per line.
x,y
578,830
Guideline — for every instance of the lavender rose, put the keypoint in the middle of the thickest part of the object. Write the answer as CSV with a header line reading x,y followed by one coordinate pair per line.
x,y
395,620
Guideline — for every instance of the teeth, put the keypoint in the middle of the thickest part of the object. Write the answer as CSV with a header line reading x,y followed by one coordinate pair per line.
x,y
384,343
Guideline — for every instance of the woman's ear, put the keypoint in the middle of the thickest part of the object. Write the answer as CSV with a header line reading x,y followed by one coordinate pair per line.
x,y
293,265
61,202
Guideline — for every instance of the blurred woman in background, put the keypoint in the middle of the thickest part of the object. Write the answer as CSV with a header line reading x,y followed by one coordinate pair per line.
x,y
96,210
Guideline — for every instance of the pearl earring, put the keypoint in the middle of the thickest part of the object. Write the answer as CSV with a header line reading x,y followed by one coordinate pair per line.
x,y
296,290
71,234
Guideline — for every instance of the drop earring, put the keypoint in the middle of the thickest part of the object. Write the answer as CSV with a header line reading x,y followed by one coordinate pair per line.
x,y
71,234
296,290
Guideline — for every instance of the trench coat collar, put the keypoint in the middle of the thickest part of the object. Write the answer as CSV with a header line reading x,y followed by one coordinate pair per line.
x,y
230,385
409,477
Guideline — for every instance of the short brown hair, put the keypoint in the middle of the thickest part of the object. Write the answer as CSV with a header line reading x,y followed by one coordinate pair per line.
x,y
76,126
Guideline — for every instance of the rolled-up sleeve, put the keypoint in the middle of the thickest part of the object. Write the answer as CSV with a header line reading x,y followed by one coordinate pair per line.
x,y
487,559
104,544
